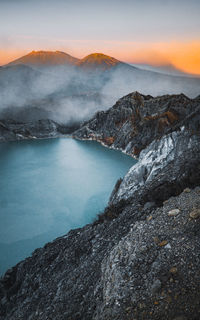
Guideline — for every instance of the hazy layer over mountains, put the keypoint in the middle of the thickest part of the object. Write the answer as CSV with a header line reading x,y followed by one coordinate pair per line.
x,y
55,85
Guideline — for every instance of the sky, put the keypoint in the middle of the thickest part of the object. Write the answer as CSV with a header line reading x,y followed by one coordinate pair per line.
x,y
156,32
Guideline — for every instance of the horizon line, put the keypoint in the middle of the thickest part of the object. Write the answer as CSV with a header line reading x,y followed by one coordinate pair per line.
x,y
138,63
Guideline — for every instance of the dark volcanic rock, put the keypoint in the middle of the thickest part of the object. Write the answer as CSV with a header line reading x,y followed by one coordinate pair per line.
x,y
143,265
136,120
153,273
11,130
139,260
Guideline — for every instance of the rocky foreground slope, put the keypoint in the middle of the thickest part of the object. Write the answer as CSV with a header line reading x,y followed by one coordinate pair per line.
x,y
140,258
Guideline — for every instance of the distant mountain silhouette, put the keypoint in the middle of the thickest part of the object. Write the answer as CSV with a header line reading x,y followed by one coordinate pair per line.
x,y
168,69
98,61
46,58
94,61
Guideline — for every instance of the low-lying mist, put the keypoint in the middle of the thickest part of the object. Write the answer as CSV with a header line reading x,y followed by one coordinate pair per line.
x,y
68,94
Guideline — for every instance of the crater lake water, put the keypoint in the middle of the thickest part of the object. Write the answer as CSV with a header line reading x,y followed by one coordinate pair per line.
x,y
48,187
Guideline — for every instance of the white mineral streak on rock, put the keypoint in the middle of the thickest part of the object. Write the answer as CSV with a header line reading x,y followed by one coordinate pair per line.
x,y
148,165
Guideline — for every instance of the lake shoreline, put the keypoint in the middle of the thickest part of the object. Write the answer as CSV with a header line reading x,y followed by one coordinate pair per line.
x,y
42,157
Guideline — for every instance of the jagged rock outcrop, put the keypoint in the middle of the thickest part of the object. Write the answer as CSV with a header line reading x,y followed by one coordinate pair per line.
x,y
136,120
140,258
11,130
166,166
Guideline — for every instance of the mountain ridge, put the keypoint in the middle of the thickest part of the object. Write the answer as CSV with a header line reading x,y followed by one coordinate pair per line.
x,y
91,61
50,58
98,60
46,58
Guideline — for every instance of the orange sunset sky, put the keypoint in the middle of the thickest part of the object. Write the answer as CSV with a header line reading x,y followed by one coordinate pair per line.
x,y
144,32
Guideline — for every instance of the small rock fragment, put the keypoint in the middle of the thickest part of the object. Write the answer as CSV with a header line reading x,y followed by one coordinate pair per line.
x,y
173,270
169,299
3,301
149,205
173,213
128,309
156,286
195,214
163,243
155,239
187,190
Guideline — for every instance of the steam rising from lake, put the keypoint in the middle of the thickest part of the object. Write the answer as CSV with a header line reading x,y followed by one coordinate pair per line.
x,y
69,94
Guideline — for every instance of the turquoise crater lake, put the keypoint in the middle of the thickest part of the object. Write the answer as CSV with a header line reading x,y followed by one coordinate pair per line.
x,y
48,187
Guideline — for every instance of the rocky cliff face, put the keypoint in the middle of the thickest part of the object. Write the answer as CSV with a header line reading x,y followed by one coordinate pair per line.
x,y
136,120
140,259
166,166
11,130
